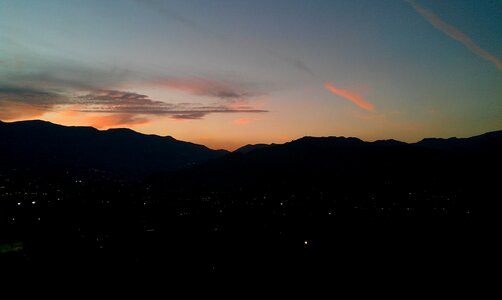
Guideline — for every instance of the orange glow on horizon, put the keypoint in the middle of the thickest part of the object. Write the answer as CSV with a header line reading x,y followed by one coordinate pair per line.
x,y
14,111
109,121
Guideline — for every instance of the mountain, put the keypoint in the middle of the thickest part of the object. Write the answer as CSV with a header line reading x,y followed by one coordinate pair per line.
x,y
488,142
350,163
250,147
343,199
312,205
47,146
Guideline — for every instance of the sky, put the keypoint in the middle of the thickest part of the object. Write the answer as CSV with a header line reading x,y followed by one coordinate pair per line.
x,y
225,73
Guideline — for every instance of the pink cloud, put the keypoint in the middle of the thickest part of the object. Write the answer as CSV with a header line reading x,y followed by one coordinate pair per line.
x,y
242,121
115,120
357,100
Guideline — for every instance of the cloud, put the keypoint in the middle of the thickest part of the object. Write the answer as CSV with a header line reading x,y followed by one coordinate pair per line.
x,y
60,76
242,121
16,103
207,87
189,23
32,96
112,101
115,120
357,100
83,90
294,62
189,115
26,103
107,99
10,110
455,34
35,94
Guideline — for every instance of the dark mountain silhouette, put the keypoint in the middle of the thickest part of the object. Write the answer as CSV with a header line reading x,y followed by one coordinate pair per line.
x,y
309,206
353,165
47,146
351,155
42,145
489,142
346,201
250,147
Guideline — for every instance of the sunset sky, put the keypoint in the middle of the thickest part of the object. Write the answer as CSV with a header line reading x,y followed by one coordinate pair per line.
x,y
226,73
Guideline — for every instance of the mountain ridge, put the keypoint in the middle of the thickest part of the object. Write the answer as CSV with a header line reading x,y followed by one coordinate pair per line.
x,y
497,134
45,145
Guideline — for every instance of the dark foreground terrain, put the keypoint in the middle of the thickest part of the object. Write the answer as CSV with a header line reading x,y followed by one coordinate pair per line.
x,y
334,205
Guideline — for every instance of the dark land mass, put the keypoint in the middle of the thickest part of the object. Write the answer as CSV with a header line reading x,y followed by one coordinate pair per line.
x,y
248,148
329,204
47,147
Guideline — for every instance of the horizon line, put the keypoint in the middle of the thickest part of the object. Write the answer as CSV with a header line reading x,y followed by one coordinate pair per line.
x,y
220,149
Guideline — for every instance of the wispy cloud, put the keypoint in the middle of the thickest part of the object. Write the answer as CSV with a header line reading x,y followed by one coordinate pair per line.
x,y
115,120
31,95
207,87
170,14
112,101
294,62
356,99
126,107
11,110
70,88
19,102
455,34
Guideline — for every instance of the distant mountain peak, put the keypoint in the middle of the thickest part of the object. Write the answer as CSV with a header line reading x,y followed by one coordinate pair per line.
x,y
251,147
389,142
121,130
328,139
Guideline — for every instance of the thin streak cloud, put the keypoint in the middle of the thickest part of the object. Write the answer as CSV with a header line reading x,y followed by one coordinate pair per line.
x,y
112,101
170,14
455,34
207,87
357,100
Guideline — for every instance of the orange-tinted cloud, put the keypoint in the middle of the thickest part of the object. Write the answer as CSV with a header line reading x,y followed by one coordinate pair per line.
x,y
284,138
119,102
116,120
70,111
25,102
455,34
10,111
242,121
357,100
